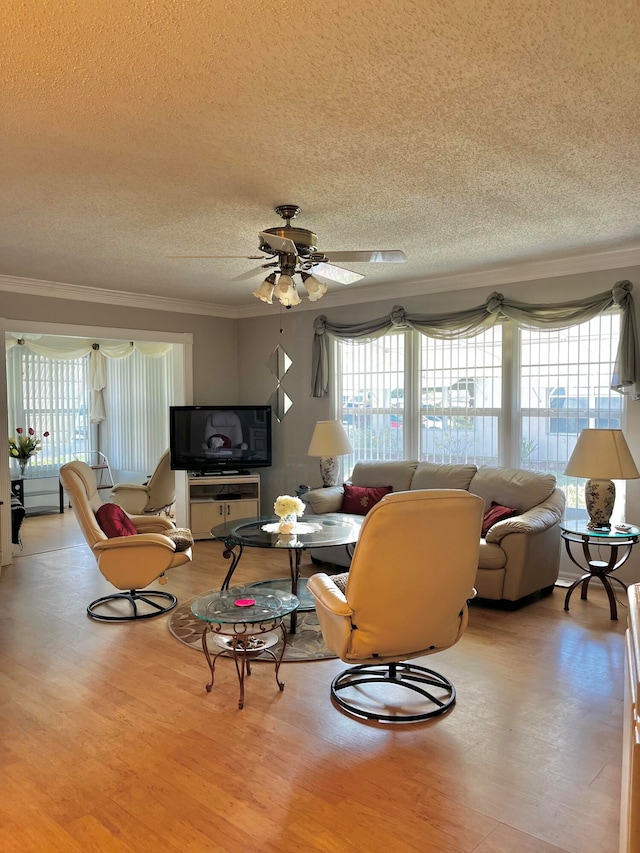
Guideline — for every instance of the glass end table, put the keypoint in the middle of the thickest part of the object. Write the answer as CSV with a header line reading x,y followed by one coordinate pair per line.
x,y
578,533
245,624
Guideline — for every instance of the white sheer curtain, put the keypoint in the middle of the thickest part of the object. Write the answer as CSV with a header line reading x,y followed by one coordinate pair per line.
x,y
135,431
127,387
52,346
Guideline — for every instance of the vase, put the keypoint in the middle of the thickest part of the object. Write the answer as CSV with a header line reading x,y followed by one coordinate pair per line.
x,y
23,466
287,523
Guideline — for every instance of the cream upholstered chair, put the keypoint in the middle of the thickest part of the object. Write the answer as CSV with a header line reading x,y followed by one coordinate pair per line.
x,y
158,494
128,562
406,596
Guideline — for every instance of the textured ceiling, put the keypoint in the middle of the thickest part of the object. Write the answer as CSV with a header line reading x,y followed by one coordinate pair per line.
x,y
469,133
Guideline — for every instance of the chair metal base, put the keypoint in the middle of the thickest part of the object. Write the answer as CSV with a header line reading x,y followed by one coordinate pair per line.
x,y
151,597
406,675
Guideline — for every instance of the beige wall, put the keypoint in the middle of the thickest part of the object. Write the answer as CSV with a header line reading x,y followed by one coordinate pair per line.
x,y
215,363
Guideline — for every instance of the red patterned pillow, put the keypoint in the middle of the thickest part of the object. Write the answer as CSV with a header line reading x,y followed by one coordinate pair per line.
x,y
496,513
114,521
358,500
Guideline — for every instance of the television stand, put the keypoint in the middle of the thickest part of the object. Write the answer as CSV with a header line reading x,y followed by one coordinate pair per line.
x,y
218,497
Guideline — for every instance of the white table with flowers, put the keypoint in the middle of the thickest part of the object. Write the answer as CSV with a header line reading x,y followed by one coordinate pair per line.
x,y
18,489
22,447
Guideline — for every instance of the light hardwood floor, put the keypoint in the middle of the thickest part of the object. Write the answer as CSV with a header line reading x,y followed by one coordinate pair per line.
x,y
109,741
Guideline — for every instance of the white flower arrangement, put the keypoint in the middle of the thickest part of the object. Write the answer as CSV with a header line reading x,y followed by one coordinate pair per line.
x,y
288,505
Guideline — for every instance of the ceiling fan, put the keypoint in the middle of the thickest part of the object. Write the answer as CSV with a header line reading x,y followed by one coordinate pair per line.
x,y
289,251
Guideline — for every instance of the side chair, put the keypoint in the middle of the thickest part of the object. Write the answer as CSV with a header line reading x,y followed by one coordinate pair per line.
x,y
129,562
405,596
151,498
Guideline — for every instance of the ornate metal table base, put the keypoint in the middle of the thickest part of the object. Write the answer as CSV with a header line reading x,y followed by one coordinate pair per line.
x,y
241,649
599,568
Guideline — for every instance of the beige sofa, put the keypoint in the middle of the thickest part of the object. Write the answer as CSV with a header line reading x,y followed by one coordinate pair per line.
x,y
519,556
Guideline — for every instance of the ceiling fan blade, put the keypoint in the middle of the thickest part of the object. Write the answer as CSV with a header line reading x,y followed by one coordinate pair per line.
x,y
336,273
279,244
243,257
251,273
375,256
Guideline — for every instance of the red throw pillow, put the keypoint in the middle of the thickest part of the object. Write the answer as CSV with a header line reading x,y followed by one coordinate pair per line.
x,y
114,521
358,500
496,513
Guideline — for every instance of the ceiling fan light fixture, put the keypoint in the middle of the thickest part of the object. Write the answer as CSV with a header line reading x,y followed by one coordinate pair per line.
x,y
285,291
265,291
316,289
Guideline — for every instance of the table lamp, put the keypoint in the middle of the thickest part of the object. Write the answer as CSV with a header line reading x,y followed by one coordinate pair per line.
x,y
329,440
602,455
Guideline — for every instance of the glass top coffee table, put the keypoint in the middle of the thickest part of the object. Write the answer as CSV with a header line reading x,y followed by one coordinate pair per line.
x,y
329,529
245,624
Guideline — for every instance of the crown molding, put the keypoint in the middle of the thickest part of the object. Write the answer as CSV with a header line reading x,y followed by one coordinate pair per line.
x,y
60,290
493,277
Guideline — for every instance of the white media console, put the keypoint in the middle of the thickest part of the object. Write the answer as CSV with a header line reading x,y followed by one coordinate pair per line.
x,y
218,498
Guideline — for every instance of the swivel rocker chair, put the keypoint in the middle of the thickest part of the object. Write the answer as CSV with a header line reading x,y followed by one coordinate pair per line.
x,y
129,562
156,495
405,596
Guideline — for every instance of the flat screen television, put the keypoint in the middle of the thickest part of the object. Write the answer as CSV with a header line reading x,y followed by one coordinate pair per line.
x,y
219,439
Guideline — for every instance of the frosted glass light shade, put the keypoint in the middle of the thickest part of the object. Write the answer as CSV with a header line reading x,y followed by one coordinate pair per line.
x,y
286,292
265,292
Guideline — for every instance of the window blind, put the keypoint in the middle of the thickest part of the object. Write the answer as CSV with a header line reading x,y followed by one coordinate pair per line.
x,y
135,432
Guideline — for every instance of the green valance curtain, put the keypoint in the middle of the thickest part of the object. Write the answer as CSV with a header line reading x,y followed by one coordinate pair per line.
x,y
52,346
473,321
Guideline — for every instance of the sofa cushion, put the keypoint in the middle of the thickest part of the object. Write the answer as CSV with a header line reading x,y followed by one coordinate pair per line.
x,y
114,521
358,500
328,499
494,514
430,475
512,487
398,475
491,556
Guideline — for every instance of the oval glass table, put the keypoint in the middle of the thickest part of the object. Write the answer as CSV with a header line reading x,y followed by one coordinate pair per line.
x,y
245,625
322,531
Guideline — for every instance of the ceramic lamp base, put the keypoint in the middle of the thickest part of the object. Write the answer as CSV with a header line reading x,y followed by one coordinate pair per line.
x,y
599,497
329,470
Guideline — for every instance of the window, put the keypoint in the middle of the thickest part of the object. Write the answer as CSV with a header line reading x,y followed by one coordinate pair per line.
x,y
49,395
505,397
460,398
564,389
135,432
372,410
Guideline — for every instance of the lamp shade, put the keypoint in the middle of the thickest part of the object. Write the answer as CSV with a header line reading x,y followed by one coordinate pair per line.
x,y
329,439
602,454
